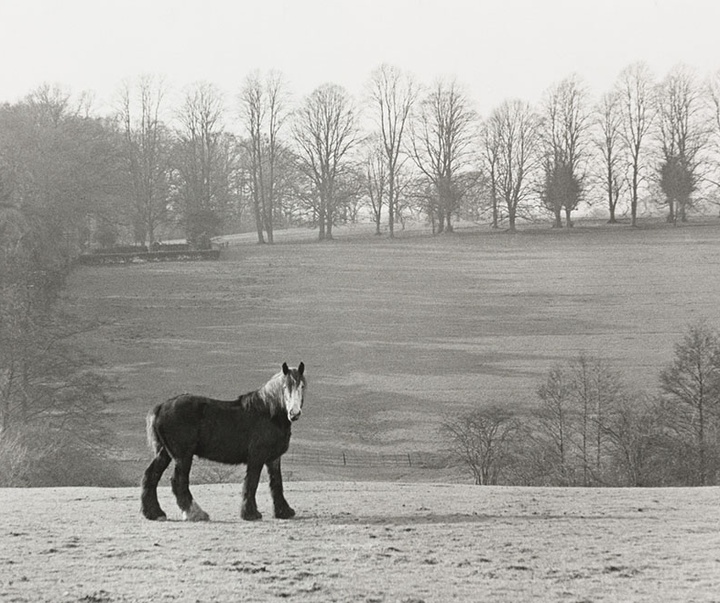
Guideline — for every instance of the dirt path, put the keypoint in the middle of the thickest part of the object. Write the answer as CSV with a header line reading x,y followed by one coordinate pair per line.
x,y
365,542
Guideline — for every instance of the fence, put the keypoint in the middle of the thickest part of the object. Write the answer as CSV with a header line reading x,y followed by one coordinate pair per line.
x,y
345,458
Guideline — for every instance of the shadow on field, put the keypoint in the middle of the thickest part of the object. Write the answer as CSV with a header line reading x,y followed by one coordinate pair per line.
x,y
455,518
402,520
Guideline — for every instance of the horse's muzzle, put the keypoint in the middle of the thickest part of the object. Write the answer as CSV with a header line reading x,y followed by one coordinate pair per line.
x,y
294,417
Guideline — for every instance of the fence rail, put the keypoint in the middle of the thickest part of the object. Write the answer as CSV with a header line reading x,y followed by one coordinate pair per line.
x,y
346,458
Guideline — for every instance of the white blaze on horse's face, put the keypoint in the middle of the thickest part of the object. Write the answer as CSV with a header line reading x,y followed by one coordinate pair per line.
x,y
294,401
293,391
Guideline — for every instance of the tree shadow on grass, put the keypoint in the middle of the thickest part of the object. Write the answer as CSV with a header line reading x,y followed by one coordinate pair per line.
x,y
451,518
404,520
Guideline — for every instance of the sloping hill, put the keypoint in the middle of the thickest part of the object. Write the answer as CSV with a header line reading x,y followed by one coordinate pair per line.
x,y
395,334
365,542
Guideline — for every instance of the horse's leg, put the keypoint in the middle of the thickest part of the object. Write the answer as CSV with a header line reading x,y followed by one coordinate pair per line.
x,y
282,508
180,482
249,510
150,506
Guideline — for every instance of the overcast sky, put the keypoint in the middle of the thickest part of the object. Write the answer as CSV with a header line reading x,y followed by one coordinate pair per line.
x,y
498,49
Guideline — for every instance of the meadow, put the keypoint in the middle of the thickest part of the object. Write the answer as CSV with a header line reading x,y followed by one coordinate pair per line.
x,y
376,542
397,334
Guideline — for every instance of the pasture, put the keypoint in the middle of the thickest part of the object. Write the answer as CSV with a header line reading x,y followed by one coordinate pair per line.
x,y
395,334
365,542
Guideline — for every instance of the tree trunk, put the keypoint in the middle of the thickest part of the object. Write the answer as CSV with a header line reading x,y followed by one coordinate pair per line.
x,y
321,219
702,460
267,219
329,227
613,219
495,211
633,200
391,217
441,221
511,220
258,220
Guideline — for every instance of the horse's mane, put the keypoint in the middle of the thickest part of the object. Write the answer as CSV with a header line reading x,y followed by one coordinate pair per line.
x,y
271,393
268,397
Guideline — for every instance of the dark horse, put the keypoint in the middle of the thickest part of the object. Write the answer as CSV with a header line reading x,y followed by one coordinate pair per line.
x,y
254,429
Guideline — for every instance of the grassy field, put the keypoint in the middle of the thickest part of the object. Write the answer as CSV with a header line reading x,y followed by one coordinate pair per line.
x,y
365,543
396,334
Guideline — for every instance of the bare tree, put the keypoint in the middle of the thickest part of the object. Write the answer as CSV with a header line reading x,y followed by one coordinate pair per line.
x,y
713,98
264,111
577,401
203,163
375,182
555,418
490,153
441,143
564,132
147,151
683,133
393,95
596,390
692,384
481,440
636,433
325,130
511,141
62,166
609,143
635,87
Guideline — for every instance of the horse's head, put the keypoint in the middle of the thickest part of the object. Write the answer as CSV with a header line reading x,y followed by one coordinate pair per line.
x,y
293,390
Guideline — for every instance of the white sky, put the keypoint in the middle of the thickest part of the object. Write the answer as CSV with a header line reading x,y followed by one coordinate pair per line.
x,y
498,49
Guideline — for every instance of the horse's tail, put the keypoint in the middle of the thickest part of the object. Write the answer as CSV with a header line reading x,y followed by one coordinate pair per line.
x,y
153,438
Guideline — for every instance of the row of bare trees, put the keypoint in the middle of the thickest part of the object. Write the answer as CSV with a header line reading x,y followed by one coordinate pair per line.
x,y
590,429
642,139
642,142
403,150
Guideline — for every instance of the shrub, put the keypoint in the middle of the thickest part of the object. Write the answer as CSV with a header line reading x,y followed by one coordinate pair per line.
x,y
40,456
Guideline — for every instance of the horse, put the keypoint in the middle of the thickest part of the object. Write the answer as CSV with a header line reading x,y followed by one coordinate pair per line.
x,y
254,429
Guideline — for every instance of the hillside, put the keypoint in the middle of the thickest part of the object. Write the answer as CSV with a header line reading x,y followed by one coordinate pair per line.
x,y
395,334
365,542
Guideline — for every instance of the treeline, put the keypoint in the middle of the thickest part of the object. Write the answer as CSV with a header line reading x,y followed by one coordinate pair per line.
x,y
591,429
209,165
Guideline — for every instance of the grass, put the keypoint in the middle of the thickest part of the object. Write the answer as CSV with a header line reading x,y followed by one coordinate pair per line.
x,y
355,542
397,334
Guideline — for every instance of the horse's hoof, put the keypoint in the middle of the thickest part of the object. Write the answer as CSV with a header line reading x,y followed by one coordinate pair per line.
x,y
195,513
251,515
157,516
286,513
196,516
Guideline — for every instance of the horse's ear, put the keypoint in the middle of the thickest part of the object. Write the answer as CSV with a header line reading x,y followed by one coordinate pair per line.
x,y
285,368
301,368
